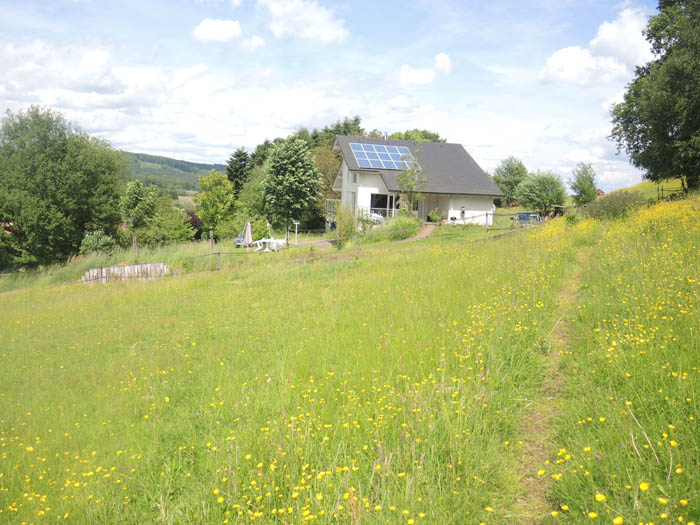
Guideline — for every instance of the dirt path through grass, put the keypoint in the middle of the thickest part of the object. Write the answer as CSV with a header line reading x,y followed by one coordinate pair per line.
x,y
538,424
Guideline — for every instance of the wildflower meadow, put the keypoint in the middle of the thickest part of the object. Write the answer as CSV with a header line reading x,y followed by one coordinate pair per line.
x,y
400,383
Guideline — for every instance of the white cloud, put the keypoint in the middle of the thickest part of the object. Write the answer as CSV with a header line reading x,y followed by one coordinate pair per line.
x,y
210,30
608,103
409,75
574,65
304,19
253,43
236,3
399,102
443,64
623,39
616,49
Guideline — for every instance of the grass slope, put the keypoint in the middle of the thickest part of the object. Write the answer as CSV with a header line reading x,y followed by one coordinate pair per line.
x,y
382,387
394,384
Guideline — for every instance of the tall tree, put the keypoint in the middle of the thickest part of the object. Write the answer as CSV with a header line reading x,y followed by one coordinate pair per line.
x,y
217,201
658,122
238,168
56,183
583,183
138,206
293,183
420,135
509,173
542,191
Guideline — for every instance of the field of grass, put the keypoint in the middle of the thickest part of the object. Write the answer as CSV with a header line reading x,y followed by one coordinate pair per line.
x,y
651,190
387,384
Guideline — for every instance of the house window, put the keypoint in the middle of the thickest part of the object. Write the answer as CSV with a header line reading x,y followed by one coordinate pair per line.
x,y
354,177
353,199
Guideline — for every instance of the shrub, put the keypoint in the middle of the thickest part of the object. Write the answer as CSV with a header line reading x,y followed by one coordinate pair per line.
x,y
345,225
395,229
613,205
97,242
196,223
435,215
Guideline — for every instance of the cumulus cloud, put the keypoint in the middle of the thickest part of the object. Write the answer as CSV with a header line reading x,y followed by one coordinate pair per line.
x,y
253,43
210,30
304,19
616,49
443,64
410,75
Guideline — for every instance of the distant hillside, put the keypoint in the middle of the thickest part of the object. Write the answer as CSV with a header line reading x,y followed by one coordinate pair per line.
x,y
170,174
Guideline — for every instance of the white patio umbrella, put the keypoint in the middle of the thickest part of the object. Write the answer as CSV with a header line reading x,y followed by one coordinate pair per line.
x,y
248,234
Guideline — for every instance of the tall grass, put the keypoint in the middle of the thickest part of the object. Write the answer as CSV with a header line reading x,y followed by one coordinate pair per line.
x,y
372,388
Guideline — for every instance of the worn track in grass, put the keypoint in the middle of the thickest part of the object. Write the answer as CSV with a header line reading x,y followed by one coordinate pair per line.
x,y
539,421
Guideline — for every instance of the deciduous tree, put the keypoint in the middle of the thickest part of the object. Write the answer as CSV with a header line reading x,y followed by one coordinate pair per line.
x,y
56,184
541,191
420,135
509,173
583,183
658,122
217,200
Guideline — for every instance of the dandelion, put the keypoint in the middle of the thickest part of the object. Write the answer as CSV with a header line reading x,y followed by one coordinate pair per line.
x,y
618,520
644,486
600,498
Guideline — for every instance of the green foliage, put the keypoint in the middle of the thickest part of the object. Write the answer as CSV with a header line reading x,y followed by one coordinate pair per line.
x,y
395,229
615,205
419,135
217,201
345,225
175,176
508,175
435,215
411,184
251,199
97,242
138,205
238,168
292,185
583,183
56,183
541,191
658,123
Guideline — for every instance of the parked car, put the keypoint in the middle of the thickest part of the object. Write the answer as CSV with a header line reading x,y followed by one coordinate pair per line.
x,y
526,218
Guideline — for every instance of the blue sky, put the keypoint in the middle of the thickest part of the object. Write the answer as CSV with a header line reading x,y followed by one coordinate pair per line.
x,y
195,79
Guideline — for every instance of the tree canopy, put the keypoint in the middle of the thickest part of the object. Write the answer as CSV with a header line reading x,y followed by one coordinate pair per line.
x,y
56,184
217,201
542,191
508,175
583,183
420,135
658,122
292,184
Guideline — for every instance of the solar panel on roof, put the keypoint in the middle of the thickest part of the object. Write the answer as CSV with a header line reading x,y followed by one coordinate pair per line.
x,y
379,156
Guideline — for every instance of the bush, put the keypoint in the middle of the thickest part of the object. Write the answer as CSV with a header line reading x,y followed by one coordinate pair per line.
x,y
395,229
435,215
613,205
97,242
345,225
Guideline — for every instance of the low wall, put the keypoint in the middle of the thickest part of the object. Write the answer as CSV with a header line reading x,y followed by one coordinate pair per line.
x,y
122,273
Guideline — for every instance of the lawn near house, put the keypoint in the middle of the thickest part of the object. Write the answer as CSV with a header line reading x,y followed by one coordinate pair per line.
x,y
390,384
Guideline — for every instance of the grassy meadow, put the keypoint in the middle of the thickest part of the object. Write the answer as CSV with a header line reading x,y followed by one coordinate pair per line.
x,y
388,384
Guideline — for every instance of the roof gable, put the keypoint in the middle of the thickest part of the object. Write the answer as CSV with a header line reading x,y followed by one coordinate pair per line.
x,y
447,168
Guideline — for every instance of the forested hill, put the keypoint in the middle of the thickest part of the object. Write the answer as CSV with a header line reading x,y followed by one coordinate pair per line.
x,y
168,173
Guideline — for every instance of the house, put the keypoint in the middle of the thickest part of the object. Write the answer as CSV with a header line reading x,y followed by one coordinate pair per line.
x,y
455,185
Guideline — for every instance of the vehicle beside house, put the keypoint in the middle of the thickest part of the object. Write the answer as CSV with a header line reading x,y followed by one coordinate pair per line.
x,y
452,181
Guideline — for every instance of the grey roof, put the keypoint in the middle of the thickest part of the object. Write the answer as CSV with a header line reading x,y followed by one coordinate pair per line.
x,y
448,168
